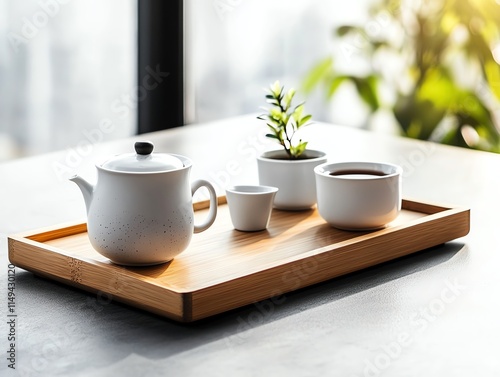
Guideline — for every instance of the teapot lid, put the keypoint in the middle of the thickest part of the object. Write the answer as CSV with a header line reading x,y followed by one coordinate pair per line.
x,y
144,160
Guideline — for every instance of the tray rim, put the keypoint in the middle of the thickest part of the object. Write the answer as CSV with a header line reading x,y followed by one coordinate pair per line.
x,y
187,299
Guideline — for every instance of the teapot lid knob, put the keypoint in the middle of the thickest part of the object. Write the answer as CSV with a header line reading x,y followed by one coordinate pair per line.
x,y
144,160
144,147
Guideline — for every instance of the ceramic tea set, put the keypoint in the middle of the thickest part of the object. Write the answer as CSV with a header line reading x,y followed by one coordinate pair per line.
x,y
140,211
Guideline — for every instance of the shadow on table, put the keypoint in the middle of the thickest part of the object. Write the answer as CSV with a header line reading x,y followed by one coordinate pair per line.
x,y
121,330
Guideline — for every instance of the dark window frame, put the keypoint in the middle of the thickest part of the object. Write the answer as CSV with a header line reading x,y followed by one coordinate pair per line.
x,y
160,61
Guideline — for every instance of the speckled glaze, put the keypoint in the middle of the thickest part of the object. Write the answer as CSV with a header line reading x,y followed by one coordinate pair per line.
x,y
143,218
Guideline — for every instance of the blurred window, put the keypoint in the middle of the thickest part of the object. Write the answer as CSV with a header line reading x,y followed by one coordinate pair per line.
x,y
67,73
235,48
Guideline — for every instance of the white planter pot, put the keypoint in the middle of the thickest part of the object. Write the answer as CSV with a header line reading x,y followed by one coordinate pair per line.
x,y
294,178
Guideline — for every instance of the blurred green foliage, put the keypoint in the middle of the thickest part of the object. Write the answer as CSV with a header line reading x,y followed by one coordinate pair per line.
x,y
444,81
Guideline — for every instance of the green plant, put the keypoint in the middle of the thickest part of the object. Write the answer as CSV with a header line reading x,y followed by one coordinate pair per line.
x,y
284,121
432,99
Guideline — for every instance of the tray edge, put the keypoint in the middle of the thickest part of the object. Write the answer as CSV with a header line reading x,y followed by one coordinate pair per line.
x,y
187,301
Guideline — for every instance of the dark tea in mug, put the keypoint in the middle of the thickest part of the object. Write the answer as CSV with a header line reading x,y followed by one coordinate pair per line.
x,y
358,173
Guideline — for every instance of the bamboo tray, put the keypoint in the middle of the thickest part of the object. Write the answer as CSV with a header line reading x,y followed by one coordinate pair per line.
x,y
223,268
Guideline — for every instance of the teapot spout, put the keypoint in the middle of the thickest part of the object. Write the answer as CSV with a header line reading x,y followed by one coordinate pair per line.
x,y
86,188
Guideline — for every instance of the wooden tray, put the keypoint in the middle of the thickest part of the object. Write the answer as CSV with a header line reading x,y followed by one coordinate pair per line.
x,y
224,268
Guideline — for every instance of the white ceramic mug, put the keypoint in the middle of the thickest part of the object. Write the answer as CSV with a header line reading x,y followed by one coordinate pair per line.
x,y
250,207
359,195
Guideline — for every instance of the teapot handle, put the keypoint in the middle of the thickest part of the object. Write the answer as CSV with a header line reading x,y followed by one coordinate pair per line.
x,y
212,212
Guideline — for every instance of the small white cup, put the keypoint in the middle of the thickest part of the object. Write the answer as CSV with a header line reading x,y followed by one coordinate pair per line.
x,y
359,195
250,207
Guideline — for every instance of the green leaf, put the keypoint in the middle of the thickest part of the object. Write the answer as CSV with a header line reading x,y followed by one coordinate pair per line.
x,y
276,88
272,136
334,85
287,100
418,118
272,128
276,113
301,122
298,149
345,29
367,91
297,113
438,88
492,71
317,74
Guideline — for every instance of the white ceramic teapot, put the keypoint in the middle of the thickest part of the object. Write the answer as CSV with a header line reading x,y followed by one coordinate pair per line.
x,y
140,210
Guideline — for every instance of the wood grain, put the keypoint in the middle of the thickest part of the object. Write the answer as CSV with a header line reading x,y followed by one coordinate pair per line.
x,y
224,268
